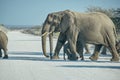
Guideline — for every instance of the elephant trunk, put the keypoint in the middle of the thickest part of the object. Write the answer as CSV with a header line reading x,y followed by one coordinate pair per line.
x,y
44,35
44,45
51,44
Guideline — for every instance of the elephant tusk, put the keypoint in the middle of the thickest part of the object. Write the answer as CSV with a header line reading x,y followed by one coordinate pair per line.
x,y
49,33
46,33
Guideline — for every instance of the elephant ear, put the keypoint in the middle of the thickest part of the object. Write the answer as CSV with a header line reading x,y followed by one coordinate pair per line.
x,y
66,22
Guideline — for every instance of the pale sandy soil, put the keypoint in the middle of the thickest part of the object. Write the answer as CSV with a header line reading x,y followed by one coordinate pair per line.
x,y
26,62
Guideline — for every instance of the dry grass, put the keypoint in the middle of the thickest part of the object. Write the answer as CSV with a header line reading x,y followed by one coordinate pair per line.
x,y
3,28
36,30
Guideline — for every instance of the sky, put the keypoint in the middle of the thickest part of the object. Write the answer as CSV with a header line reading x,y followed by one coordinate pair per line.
x,y
34,12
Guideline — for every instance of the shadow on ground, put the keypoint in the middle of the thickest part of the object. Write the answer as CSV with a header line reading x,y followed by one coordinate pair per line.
x,y
25,53
38,56
29,56
91,66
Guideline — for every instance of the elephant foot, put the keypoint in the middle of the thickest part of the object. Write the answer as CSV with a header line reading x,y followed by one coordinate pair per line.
x,y
116,59
55,57
73,57
5,57
47,56
93,58
82,58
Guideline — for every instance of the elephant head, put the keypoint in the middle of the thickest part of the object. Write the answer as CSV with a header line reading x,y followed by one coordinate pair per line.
x,y
51,25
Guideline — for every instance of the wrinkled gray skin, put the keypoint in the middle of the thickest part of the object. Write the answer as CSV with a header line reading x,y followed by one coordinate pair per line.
x,y
51,25
3,44
93,28
66,50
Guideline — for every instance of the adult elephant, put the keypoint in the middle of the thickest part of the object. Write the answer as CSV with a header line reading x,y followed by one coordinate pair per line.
x,y
51,25
94,28
3,44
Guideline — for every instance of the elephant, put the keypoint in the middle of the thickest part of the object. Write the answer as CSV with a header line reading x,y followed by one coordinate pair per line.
x,y
50,25
93,28
3,44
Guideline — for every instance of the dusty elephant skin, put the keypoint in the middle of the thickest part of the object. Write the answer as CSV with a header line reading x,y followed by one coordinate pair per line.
x,y
66,50
51,25
3,44
94,28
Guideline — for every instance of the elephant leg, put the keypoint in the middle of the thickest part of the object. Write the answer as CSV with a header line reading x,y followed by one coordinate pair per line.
x,y
65,50
104,50
72,40
64,56
80,50
95,55
5,54
115,55
87,49
0,53
118,47
61,41
68,52
73,55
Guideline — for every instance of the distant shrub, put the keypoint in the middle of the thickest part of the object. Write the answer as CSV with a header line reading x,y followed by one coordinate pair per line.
x,y
35,30
3,28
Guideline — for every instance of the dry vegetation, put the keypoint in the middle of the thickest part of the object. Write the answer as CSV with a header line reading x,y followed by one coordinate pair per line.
x,y
3,28
35,30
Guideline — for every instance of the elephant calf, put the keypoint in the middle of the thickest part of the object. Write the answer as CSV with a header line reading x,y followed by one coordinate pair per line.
x,y
3,44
